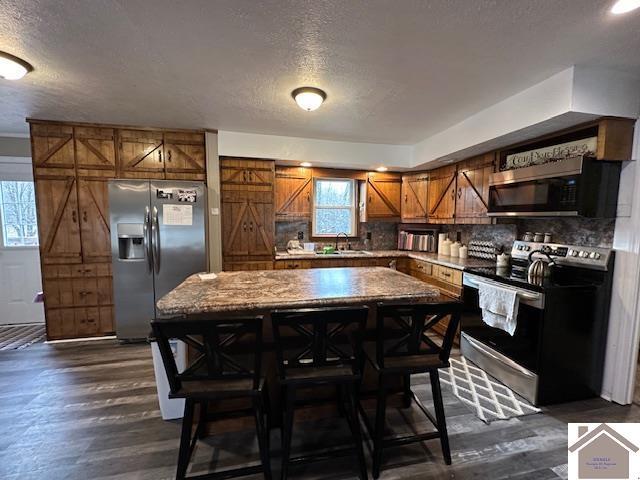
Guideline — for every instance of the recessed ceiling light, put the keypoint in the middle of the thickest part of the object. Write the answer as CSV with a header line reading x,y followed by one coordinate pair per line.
x,y
382,169
13,68
305,164
309,98
624,6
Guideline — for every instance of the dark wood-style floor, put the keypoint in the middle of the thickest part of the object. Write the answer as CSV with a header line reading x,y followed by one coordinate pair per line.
x,y
89,411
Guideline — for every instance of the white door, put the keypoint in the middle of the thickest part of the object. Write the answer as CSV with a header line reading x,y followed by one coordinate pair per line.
x,y
20,279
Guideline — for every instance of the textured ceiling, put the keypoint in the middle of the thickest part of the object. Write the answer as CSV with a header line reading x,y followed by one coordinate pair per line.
x,y
394,71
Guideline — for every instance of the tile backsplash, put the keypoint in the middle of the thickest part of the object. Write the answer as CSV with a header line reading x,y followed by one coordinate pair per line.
x,y
590,232
384,235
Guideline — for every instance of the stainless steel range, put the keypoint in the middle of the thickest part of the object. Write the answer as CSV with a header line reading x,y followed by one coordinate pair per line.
x,y
556,353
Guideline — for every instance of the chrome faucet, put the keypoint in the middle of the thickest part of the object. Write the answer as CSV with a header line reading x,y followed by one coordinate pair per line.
x,y
346,237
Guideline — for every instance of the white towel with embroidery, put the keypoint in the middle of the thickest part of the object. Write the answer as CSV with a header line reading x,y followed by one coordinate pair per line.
x,y
499,307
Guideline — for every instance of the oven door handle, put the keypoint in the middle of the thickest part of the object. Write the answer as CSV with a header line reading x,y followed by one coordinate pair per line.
x,y
525,296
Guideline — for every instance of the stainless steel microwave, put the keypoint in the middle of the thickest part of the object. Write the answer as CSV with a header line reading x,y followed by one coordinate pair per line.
x,y
577,186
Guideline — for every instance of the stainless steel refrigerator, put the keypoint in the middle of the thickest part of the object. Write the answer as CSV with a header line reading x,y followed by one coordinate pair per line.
x,y
157,240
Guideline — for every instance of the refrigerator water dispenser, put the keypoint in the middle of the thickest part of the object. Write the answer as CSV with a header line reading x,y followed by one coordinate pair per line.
x,y
130,241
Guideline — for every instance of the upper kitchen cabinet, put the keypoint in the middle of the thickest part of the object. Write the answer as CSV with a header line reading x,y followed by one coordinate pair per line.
x,y
415,196
244,174
472,194
52,149
442,194
184,156
380,197
141,154
95,151
293,193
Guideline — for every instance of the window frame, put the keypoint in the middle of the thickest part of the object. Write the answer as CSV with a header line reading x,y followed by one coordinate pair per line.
x,y
3,243
353,208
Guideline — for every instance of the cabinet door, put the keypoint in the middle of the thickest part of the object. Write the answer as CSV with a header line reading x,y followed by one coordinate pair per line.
x,y
384,192
473,189
415,190
141,154
234,226
95,151
293,193
93,197
52,149
260,225
245,174
58,220
442,194
184,156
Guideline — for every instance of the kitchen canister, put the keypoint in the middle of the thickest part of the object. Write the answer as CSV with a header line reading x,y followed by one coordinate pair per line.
x,y
441,238
547,237
528,237
502,260
538,237
455,249
463,253
446,247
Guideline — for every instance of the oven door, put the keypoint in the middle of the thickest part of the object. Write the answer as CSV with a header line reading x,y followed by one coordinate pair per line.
x,y
513,360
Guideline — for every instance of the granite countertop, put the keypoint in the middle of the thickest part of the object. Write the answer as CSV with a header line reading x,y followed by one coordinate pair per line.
x,y
444,260
254,291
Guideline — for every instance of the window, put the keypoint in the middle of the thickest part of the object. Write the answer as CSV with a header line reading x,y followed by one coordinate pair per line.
x,y
18,214
334,207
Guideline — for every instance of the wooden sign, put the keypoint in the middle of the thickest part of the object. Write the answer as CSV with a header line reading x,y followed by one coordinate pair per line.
x,y
561,151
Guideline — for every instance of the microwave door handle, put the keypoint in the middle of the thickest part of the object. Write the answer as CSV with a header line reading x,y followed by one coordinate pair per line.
x,y
147,239
155,241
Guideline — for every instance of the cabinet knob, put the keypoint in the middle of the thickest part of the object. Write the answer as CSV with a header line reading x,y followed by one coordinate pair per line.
x,y
160,156
84,216
74,216
459,193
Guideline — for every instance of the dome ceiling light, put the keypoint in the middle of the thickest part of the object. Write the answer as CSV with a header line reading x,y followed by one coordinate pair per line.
x,y
13,68
309,98
624,6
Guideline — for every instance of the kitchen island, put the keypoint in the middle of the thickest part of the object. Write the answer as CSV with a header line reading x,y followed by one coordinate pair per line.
x,y
255,292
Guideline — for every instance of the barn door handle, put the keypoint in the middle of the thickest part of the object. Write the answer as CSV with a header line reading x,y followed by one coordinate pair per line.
x,y
160,156
251,226
250,176
453,194
459,193
74,216
406,198
244,175
244,226
169,156
84,216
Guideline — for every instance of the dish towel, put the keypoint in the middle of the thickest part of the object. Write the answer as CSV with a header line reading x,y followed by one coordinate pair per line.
x,y
499,307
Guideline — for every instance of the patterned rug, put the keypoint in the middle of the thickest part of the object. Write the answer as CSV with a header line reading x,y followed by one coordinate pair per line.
x,y
17,337
485,396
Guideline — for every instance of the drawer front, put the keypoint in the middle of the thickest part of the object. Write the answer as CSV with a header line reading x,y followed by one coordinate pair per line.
x,y
292,264
85,291
419,267
87,321
449,275
86,270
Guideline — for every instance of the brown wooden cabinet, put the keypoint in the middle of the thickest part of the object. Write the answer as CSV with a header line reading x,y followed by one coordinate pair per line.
x,y
141,154
72,166
442,194
185,156
95,150
58,219
380,197
293,190
93,201
248,218
415,197
472,194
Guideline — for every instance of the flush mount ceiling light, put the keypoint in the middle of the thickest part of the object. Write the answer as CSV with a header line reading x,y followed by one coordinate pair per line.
x,y
624,6
305,164
382,169
308,98
13,68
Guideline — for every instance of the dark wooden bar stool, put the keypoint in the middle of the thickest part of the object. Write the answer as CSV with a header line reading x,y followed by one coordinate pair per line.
x,y
228,366
317,347
403,348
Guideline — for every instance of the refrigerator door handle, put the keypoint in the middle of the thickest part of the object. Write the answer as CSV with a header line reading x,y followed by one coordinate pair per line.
x,y
147,239
155,241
